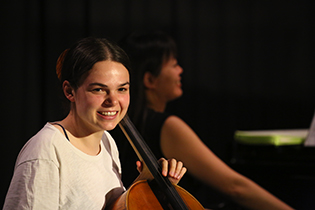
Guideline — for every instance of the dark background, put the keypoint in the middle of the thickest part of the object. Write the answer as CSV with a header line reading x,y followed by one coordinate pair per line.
x,y
247,64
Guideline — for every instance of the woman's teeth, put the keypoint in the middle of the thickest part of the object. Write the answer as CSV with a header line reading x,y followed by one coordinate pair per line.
x,y
108,113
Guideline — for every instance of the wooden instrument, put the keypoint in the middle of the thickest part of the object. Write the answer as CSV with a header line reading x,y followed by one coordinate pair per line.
x,y
159,193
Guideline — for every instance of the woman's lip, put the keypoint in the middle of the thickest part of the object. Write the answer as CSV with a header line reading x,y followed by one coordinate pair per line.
x,y
108,115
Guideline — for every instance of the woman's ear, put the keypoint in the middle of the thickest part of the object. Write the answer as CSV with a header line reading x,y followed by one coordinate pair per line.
x,y
148,80
68,91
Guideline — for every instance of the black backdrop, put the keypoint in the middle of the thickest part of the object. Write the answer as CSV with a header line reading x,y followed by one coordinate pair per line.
x,y
247,64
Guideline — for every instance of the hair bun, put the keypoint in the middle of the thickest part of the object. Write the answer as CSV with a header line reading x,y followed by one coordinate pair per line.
x,y
60,63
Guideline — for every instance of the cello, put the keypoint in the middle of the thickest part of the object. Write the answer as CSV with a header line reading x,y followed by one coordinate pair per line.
x,y
158,193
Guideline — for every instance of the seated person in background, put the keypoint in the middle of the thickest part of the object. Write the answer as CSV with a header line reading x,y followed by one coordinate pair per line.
x,y
155,78
74,163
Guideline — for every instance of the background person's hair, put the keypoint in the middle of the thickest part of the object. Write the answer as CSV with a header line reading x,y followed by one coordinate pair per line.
x,y
147,50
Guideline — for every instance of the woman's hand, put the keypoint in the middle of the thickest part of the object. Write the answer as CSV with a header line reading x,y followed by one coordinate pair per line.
x,y
171,168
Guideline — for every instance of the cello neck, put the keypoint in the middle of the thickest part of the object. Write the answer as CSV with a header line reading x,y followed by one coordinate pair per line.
x,y
145,154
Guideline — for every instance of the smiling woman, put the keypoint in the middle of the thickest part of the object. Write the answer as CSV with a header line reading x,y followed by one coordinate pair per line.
x,y
98,104
74,163
164,87
104,91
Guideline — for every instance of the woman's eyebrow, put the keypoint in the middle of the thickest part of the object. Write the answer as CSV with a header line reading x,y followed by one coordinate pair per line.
x,y
103,85
97,84
126,83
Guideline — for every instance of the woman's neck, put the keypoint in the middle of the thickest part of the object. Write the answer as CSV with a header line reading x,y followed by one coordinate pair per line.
x,y
154,102
86,141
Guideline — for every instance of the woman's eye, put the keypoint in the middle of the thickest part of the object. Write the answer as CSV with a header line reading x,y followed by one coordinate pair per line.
x,y
97,90
122,89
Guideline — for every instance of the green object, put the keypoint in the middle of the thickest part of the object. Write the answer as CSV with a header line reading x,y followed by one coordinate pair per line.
x,y
271,137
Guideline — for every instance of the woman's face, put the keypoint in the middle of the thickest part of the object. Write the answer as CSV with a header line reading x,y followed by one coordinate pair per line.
x,y
168,82
103,98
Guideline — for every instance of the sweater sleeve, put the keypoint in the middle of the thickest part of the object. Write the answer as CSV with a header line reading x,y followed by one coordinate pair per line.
x,y
35,185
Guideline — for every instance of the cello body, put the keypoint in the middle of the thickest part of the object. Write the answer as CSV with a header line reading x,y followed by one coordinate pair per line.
x,y
140,196
158,193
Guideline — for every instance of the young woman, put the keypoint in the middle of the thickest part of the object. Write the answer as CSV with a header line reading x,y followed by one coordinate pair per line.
x,y
156,78
74,163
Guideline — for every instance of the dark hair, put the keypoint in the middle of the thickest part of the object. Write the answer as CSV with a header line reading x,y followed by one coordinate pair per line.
x,y
147,52
75,63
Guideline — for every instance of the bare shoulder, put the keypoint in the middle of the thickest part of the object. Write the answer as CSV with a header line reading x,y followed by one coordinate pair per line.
x,y
174,121
176,128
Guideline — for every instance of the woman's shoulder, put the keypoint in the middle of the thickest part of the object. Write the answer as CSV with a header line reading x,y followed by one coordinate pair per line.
x,y
42,145
174,125
173,120
46,136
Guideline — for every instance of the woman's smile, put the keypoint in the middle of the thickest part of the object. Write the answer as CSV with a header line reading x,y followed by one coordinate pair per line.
x,y
108,113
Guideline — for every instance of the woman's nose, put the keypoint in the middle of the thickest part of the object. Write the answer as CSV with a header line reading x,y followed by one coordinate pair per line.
x,y
180,69
110,100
